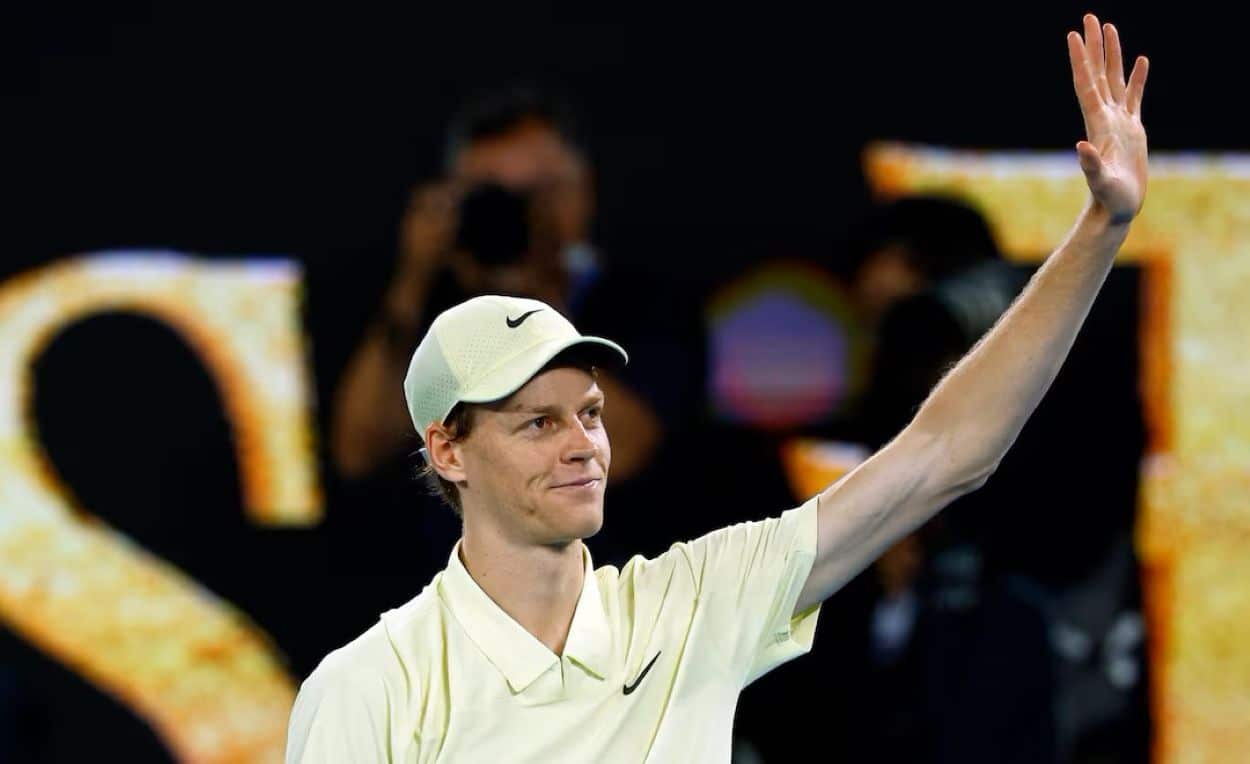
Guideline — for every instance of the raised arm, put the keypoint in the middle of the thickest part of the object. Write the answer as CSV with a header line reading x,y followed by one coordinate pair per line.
x,y
972,417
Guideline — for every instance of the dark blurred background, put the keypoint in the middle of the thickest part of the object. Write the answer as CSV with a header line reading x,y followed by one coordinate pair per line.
x,y
721,141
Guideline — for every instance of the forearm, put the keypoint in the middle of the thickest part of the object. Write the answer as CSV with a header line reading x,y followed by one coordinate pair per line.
x,y
981,405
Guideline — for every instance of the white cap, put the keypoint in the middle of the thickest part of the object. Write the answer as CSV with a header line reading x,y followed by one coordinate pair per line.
x,y
485,349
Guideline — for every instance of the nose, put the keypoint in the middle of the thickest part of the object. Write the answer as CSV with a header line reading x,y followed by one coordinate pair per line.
x,y
581,446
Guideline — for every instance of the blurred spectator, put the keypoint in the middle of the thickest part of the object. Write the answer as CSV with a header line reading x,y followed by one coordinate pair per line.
x,y
982,641
927,276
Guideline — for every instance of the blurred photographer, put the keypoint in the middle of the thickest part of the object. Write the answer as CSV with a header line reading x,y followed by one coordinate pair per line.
x,y
512,216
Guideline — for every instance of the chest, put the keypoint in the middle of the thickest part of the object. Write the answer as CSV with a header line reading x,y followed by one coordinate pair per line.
x,y
664,690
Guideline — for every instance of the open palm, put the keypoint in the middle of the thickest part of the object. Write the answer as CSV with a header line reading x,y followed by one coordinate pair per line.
x,y
1113,155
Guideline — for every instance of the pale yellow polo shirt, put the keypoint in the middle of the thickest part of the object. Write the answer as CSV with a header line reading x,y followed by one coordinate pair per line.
x,y
450,677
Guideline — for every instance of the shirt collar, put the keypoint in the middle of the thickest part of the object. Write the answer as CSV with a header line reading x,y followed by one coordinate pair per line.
x,y
519,655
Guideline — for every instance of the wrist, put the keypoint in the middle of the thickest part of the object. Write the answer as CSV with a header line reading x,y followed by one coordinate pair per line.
x,y
1096,212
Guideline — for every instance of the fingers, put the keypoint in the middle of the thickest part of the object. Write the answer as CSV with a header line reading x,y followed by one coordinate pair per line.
x,y
1115,62
1083,80
1090,159
1137,85
1093,49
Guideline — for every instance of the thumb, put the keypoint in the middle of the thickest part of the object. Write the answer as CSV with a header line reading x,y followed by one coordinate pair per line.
x,y
1090,159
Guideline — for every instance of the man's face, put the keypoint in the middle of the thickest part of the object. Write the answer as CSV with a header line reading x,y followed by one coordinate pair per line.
x,y
534,158
537,462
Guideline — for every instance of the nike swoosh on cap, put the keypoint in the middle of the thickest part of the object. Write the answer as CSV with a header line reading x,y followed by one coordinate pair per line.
x,y
515,322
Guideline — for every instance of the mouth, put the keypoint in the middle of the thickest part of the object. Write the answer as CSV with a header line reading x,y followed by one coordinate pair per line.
x,y
584,484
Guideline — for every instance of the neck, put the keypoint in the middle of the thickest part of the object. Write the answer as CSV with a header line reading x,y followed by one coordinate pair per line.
x,y
537,585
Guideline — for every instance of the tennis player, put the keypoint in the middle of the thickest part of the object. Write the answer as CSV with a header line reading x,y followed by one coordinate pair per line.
x,y
522,651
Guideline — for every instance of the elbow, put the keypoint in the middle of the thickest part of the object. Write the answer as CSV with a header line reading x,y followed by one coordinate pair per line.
x,y
955,471
976,479
952,486
978,482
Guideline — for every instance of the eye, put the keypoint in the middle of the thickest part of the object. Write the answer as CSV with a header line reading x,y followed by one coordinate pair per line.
x,y
540,423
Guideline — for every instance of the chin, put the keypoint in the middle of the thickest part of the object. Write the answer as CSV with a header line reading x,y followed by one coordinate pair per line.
x,y
575,513
591,522
597,525
583,519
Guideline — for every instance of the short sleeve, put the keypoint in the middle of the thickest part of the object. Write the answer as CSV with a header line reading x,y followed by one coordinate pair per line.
x,y
335,719
748,578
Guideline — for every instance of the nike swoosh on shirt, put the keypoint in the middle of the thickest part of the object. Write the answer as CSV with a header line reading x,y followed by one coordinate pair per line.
x,y
631,687
515,322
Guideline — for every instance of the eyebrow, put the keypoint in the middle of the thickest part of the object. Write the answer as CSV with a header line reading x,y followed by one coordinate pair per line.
x,y
550,410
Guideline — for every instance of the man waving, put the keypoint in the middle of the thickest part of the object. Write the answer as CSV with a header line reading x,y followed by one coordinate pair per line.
x,y
521,650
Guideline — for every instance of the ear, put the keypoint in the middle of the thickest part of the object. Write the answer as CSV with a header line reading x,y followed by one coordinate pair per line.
x,y
444,453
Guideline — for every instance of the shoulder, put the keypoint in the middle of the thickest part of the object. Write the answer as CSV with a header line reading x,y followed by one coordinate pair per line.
x,y
643,582
389,656
740,542
369,698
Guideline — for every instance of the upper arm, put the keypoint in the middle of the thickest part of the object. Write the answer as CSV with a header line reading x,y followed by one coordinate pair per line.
x,y
880,501
747,578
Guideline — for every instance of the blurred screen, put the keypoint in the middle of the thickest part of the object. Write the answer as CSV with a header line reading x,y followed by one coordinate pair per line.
x,y
134,625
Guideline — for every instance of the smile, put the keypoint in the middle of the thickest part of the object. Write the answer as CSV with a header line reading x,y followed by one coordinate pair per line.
x,y
584,484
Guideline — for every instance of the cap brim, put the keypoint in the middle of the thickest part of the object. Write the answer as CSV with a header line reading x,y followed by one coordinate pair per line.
x,y
512,375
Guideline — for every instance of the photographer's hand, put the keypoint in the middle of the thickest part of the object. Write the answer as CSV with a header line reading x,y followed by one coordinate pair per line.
x,y
425,241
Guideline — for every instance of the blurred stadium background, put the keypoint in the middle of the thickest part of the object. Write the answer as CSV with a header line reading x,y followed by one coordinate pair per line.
x,y
208,201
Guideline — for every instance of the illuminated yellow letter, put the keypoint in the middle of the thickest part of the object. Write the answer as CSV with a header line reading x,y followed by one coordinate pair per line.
x,y
189,663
